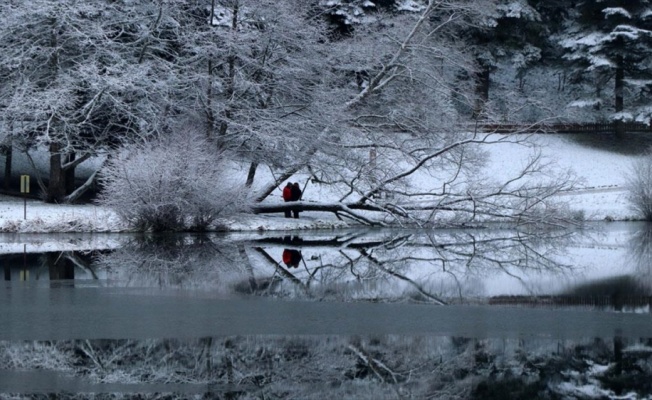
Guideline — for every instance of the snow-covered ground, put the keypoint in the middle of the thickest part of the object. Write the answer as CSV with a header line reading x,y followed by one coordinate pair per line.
x,y
601,195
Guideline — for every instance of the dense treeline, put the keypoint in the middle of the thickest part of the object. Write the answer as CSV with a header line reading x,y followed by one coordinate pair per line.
x,y
597,51
311,86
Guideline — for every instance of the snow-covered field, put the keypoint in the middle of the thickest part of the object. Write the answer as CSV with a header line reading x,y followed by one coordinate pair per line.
x,y
601,195
602,174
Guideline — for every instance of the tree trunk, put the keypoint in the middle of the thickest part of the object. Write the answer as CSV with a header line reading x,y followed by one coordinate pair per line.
x,y
8,150
251,174
349,210
210,116
618,92
230,81
481,91
618,354
70,174
57,186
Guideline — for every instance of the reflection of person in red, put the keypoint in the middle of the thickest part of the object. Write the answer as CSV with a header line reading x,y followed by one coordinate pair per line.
x,y
291,258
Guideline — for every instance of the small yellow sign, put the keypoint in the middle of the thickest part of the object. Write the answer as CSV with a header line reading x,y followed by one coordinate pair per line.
x,y
24,183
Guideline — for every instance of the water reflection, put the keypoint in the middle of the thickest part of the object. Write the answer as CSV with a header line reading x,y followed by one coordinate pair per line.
x,y
307,367
354,314
292,256
438,267
497,266
48,266
640,246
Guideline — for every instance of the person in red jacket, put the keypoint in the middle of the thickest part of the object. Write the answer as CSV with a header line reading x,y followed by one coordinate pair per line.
x,y
287,196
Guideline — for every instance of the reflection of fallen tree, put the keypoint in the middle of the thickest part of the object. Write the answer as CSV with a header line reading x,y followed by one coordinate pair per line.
x,y
434,266
377,366
305,286
278,268
532,250
450,257
364,255
356,241
402,277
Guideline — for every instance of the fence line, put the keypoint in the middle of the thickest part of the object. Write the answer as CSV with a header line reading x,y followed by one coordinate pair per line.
x,y
566,127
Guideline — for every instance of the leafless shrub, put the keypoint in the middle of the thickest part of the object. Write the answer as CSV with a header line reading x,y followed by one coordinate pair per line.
x,y
175,183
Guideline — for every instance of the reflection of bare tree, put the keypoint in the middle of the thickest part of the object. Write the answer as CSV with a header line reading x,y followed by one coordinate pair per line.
x,y
379,367
174,260
285,273
81,261
53,265
428,266
402,277
641,252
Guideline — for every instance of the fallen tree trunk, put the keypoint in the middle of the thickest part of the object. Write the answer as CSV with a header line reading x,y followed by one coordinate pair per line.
x,y
339,209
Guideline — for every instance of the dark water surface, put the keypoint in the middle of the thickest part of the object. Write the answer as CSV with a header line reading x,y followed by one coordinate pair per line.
x,y
70,313
44,382
449,314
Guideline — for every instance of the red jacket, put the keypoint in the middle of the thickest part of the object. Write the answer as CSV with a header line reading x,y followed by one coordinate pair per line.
x,y
287,193
287,257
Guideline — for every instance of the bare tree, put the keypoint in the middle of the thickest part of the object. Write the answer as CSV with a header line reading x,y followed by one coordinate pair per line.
x,y
255,73
377,117
396,144
80,79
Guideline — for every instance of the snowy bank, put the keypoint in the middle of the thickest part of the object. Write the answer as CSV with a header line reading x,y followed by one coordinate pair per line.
x,y
601,195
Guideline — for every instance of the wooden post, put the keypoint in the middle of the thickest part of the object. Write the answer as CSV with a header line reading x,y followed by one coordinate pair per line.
x,y
24,189
372,167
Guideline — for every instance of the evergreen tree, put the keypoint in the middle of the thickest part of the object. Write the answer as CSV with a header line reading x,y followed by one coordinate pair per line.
x,y
510,30
344,15
611,41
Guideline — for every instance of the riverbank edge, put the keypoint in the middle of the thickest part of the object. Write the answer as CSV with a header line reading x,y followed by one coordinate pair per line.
x,y
236,223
